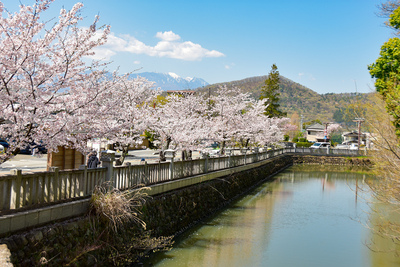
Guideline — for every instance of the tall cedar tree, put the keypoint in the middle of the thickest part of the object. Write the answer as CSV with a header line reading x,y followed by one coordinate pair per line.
x,y
270,91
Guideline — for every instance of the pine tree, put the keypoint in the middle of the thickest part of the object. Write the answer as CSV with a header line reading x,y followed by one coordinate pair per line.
x,y
270,91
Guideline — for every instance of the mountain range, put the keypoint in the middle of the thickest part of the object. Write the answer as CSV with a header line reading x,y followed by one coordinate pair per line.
x,y
294,97
171,81
298,99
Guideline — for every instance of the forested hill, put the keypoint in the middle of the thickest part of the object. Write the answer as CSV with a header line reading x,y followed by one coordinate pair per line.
x,y
295,97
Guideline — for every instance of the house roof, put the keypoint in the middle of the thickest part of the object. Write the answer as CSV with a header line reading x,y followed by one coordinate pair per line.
x,y
316,126
353,133
350,133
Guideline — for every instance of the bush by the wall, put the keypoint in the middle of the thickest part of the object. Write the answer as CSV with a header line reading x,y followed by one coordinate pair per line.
x,y
303,144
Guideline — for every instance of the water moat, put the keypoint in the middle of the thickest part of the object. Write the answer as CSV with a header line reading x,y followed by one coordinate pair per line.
x,y
306,216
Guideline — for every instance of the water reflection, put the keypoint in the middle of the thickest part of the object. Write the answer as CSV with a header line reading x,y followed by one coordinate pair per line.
x,y
306,217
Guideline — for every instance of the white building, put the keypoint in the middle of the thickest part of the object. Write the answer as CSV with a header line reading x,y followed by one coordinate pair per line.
x,y
315,132
352,138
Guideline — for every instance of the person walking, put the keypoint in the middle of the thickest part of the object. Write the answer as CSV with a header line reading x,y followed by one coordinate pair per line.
x,y
93,160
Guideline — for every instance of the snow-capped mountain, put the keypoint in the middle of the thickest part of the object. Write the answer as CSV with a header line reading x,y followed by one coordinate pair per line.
x,y
172,81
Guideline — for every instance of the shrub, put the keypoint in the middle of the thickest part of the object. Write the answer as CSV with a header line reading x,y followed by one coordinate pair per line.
x,y
286,137
115,208
303,144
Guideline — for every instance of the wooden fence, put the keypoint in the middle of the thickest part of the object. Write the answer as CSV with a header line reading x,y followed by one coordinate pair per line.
x,y
20,190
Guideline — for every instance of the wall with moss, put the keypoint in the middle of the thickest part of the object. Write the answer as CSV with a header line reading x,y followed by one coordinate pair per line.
x,y
333,160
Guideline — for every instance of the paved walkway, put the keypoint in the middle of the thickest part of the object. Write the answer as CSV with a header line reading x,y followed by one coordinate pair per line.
x,y
28,163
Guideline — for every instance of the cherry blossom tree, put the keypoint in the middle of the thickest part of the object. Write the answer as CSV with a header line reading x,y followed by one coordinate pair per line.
x,y
240,117
126,113
227,115
46,89
198,120
180,122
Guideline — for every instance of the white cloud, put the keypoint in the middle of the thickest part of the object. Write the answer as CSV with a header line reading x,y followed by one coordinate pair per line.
x,y
136,62
169,46
100,54
168,36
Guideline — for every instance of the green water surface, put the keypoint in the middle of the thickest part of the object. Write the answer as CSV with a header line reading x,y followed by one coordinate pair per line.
x,y
305,217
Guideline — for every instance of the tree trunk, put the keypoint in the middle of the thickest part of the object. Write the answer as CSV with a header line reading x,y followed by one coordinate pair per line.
x,y
162,154
125,150
247,142
222,150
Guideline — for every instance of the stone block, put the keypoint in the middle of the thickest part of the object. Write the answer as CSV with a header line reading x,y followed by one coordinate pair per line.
x,y
17,222
76,209
80,208
57,213
38,236
31,219
85,205
5,224
44,216
67,210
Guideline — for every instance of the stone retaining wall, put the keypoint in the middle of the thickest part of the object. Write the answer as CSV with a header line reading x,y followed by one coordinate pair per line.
x,y
332,160
172,212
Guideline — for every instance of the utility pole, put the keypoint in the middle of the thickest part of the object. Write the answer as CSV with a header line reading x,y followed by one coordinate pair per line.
x,y
359,121
301,123
326,130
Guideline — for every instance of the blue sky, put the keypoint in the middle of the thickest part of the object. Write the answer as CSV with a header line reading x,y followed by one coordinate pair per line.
x,y
323,45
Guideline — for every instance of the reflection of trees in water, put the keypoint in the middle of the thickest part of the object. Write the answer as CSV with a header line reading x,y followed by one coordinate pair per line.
x,y
240,235
244,230
235,236
384,225
330,168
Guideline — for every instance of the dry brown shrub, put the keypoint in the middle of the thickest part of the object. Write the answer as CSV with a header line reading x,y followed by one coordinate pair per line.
x,y
116,208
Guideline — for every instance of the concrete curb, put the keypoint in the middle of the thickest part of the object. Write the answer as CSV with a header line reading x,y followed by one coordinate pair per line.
x,y
32,218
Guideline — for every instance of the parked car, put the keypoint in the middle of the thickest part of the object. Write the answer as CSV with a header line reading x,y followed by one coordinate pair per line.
x,y
353,147
4,143
320,145
28,149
